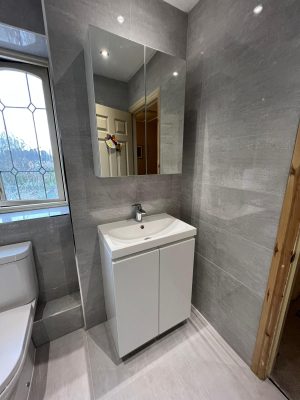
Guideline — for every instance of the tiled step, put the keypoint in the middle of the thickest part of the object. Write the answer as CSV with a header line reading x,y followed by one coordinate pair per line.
x,y
56,318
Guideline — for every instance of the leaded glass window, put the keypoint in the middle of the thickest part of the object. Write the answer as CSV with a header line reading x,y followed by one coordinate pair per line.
x,y
29,161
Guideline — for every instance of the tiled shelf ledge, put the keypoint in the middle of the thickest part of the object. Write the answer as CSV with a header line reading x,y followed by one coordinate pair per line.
x,y
25,215
56,318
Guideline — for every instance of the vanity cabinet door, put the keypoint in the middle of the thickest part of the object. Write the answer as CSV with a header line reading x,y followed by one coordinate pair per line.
x,y
136,300
176,276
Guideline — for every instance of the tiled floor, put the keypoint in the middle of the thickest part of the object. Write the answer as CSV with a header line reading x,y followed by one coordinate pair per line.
x,y
192,362
286,372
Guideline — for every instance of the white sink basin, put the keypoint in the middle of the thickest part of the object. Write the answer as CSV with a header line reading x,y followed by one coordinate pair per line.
x,y
127,237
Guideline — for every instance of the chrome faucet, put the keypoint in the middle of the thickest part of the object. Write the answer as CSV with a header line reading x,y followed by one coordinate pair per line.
x,y
139,212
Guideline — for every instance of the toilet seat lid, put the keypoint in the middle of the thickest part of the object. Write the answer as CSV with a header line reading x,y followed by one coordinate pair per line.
x,y
15,325
14,252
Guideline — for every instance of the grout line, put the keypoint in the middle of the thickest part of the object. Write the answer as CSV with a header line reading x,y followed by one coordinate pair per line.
x,y
90,374
224,186
242,190
33,370
215,336
231,276
58,313
237,235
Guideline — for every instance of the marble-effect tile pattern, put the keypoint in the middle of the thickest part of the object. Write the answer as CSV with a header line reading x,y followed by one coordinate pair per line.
x,y
56,318
61,370
242,112
23,14
53,249
192,362
94,201
111,92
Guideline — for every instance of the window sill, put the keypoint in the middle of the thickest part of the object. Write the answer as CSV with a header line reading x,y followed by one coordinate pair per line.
x,y
25,215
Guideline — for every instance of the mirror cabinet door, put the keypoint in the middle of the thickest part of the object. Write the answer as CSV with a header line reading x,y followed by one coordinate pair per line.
x,y
118,78
136,100
165,95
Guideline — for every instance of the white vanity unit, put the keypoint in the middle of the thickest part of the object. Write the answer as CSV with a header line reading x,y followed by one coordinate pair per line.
x,y
147,272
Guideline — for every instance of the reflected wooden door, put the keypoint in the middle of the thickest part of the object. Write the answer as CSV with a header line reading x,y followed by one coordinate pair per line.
x,y
119,123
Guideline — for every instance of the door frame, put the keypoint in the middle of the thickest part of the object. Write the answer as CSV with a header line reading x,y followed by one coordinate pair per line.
x,y
280,283
137,107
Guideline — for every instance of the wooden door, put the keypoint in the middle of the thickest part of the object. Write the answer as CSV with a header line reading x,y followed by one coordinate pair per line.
x,y
119,123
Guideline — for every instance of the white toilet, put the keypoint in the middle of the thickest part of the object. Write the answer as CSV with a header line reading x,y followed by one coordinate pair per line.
x,y
18,295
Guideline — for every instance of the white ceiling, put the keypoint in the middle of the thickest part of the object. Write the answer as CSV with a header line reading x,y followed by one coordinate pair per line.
x,y
184,5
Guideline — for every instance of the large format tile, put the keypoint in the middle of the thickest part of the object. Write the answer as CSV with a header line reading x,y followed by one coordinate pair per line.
x,y
231,307
184,364
53,249
61,370
190,362
56,318
246,261
150,22
26,15
244,161
250,214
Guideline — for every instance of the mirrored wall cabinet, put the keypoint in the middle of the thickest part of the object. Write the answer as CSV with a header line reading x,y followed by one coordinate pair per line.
x,y
136,101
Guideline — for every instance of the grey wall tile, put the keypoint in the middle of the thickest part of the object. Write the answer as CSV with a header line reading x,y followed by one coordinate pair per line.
x,y
253,215
57,325
246,261
93,200
153,20
111,92
56,306
242,112
23,14
54,254
229,306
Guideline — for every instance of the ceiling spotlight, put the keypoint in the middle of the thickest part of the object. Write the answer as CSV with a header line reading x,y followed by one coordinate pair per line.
x,y
120,19
175,73
104,53
258,9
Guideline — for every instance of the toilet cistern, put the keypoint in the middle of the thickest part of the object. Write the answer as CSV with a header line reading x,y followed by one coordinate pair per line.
x,y
139,212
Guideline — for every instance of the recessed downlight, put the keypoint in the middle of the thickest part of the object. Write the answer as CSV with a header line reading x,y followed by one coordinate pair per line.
x,y
120,19
104,53
258,9
175,73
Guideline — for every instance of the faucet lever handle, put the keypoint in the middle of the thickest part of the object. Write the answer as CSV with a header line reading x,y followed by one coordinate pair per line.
x,y
137,205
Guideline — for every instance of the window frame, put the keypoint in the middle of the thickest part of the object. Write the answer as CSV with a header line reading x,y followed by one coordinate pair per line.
x,y
40,68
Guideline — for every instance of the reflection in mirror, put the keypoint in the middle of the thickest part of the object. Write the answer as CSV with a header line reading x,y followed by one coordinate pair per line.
x,y
134,121
116,62
165,95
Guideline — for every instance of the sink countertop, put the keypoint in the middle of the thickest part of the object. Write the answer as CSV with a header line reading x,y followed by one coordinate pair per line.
x,y
127,237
